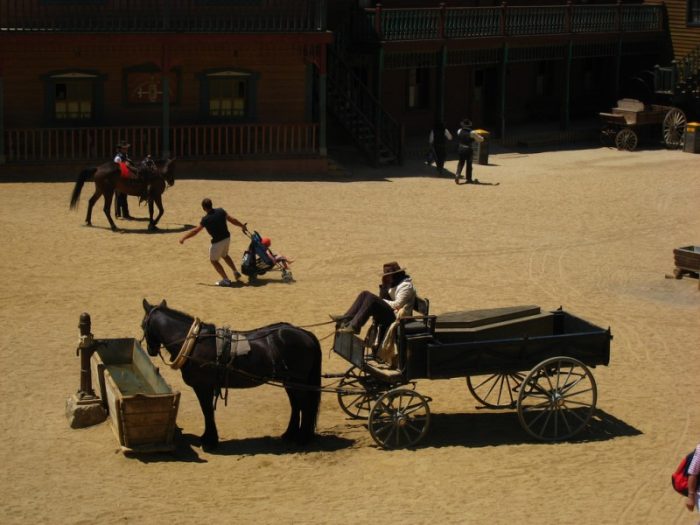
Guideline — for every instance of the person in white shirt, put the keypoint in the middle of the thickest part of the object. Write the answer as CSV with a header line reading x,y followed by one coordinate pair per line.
x,y
396,293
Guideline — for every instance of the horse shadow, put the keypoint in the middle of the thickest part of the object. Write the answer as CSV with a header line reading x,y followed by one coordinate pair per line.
x,y
186,446
503,428
157,231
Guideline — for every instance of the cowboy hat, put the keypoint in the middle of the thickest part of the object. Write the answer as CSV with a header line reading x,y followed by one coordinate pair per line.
x,y
391,268
123,144
466,123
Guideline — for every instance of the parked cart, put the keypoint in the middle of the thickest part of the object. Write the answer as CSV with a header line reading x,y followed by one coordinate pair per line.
x,y
512,358
627,123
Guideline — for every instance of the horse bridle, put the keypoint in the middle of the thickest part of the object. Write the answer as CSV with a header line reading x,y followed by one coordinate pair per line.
x,y
187,344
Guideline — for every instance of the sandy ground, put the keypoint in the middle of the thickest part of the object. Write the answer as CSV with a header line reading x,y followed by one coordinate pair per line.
x,y
592,230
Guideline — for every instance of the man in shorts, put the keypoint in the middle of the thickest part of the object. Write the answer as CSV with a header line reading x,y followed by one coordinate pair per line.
x,y
215,223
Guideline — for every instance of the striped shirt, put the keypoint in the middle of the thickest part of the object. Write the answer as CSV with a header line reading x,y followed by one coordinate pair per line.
x,y
694,468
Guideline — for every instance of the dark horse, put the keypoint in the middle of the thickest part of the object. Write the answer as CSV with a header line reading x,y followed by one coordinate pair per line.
x,y
279,352
108,179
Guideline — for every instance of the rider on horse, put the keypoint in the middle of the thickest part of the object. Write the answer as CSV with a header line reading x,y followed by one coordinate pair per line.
x,y
130,171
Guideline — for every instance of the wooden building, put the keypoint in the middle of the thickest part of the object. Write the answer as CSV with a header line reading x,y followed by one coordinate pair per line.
x,y
398,66
684,26
197,79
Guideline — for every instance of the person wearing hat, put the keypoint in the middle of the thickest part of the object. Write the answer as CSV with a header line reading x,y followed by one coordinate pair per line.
x,y
466,137
437,139
121,158
396,293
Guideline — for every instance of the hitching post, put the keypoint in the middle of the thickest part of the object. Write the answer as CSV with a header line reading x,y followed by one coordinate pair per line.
x,y
84,408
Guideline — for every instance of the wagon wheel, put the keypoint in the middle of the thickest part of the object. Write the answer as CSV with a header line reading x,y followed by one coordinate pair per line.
x,y
400,418
674,128
626,139
557,399
496,390
356,391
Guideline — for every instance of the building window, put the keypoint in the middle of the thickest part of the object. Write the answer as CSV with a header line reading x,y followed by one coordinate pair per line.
x,y
228,94
72,96
418,81
694,12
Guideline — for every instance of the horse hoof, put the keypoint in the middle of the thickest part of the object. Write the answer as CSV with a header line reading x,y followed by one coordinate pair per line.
x,y
292,437
209,443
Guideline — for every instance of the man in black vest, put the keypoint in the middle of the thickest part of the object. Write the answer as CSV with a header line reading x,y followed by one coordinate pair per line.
x,y
466,137
437,139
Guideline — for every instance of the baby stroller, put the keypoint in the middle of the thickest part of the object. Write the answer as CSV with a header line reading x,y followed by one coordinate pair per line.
x,y
256,260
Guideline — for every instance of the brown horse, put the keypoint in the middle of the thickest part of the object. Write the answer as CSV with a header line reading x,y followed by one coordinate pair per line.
x,y
108,179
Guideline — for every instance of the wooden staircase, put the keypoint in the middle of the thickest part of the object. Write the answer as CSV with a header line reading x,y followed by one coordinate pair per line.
x,y
356,109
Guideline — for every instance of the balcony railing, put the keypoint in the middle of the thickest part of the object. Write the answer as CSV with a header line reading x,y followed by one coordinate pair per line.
x,y
164,16
196,142
397,24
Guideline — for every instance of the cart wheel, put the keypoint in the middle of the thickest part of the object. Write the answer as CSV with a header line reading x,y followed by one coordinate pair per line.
x,y
674,128
359,392
626,139
496,390
557,399
400,418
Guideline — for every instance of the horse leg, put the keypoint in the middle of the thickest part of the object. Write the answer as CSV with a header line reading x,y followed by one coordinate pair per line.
x,y
159,202
108,204
292,432
205,396
91,203
151,223
311,399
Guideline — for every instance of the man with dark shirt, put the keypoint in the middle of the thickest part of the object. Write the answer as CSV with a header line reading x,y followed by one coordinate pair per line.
x,y
215,223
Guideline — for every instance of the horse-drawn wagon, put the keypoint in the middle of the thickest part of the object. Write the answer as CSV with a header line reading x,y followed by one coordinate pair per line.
x,y
631,119
513,358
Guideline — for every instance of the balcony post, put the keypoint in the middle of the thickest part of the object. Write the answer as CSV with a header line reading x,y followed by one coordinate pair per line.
x,y
504,85
322,76
442,66
165,87
569,16
378,22
619,16
443,13
379,86
566,99
321,15
504,13
3,158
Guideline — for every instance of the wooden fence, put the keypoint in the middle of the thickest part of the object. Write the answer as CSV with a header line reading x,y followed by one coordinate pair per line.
x,y
193,142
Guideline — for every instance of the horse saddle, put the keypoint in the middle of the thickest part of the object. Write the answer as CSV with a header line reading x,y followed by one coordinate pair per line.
x,y
230,345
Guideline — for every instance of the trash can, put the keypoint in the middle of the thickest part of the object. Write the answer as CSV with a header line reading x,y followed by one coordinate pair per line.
x,y
692,138
481,149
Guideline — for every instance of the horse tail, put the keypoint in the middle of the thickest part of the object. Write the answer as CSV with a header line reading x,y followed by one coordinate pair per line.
x,y
84,175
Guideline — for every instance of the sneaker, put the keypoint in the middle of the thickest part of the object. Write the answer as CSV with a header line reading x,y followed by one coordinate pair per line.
x,y
223,282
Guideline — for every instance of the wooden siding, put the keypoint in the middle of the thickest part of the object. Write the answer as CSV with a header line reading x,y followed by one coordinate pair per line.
x,y
280,69
685,38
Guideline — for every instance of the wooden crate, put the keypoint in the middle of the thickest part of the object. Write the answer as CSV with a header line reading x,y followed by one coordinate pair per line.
x,y
687,259
141,405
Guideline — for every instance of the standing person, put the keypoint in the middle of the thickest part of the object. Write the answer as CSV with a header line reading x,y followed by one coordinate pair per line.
x,y
466,137
215,223
693,499
395,293
437,139
125,165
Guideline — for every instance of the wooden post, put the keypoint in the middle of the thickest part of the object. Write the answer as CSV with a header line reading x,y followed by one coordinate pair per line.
x,y
3,158
378,22
504,84
85,349
441,70
165,86
566,101
443,14
569,16
504,12
378,109
322,76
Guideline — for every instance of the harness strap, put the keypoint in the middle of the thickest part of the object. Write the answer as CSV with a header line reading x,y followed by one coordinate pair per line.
x,y
187,345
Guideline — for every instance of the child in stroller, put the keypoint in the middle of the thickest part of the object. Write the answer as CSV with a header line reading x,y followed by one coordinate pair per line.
x,y
258,259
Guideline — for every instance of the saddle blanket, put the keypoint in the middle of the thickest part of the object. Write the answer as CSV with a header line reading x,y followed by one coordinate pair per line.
x,y
230,345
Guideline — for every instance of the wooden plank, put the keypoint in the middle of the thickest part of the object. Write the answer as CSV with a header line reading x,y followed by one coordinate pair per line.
x,y
474,318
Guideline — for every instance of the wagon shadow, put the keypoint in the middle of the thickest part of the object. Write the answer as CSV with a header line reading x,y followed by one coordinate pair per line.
x,y
493,429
